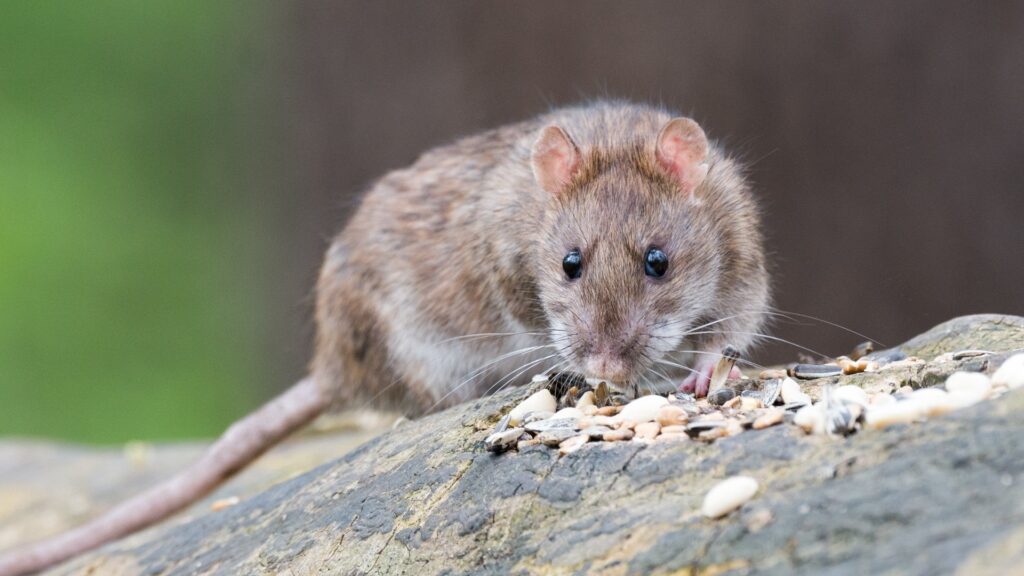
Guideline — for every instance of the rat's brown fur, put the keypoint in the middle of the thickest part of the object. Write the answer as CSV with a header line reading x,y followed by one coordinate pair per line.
x,y
465,242
452,267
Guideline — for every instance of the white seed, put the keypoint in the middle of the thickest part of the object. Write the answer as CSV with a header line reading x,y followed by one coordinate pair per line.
x,y
539,378
905,412
933,401
501,441
851,395
539,401
791,392
968,388
728,495
1011,373
643,409
586,399
570,412
882,399
811,418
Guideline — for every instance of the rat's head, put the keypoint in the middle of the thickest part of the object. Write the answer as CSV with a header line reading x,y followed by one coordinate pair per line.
x,y
632,251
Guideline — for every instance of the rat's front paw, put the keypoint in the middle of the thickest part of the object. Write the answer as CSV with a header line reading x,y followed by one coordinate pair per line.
x,y
699,380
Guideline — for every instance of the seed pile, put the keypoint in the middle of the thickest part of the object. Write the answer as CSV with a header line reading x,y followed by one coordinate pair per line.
x,y
568,410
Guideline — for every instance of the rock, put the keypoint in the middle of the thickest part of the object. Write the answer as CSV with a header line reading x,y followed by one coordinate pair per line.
x,y
728,495
556,436
643,409
1011,373
994,332
595,432
539,401
939,496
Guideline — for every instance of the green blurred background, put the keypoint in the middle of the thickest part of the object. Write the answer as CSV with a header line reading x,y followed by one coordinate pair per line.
x,y
123,168
171,171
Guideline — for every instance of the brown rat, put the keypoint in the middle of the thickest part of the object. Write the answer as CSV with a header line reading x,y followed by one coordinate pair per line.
x,y
608,238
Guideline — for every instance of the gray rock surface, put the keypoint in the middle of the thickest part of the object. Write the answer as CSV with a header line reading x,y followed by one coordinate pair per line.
x,y
937,497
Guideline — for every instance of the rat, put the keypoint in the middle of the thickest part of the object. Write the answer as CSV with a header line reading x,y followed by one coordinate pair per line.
x,y
612,239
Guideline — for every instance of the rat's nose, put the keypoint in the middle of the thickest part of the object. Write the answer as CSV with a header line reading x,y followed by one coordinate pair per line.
x,y
606,367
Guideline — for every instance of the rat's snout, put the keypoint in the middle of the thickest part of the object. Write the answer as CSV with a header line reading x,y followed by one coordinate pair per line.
x,y
606,366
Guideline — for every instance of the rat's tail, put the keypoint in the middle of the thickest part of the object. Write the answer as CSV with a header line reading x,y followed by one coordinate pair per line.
x,y
245,440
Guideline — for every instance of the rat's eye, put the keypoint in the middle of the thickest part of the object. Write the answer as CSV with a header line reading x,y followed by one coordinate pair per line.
x,y
655,262
573,264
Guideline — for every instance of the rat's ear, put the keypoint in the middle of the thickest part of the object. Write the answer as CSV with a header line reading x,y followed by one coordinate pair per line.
x,y
682,150
555,159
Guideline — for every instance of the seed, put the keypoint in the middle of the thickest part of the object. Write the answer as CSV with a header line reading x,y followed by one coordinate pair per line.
x,y
933,401
862,350
573,444
539,401
792,393
968,388
728,495
588,398
503,423
223,503
812,371
1011,373
769,418
618,435
771,391
502,441
721,396
723,368
647,430
851,395
551,424
963,354
674,429
569,413
643,409
537,416
671,415
772,374
878,417
609,410
671,437
811,418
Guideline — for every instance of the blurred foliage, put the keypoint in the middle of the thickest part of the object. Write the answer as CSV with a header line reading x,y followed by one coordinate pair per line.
x,y
123,308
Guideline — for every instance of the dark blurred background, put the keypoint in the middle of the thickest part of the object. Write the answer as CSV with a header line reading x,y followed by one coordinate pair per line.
x,y
170,172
